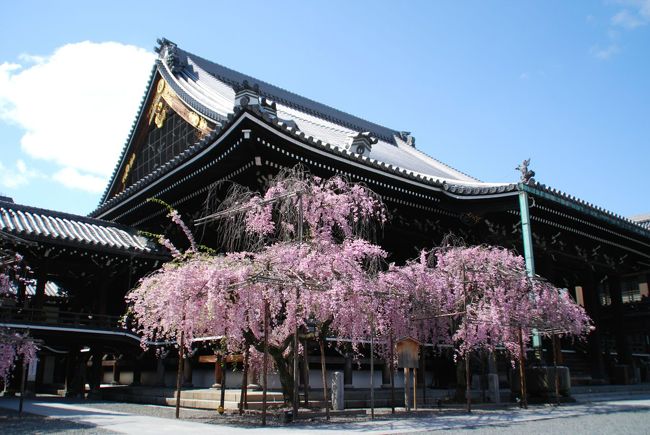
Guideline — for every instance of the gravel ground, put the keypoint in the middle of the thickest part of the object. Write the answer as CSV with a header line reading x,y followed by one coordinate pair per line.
x,y
623,422
12,423
616,417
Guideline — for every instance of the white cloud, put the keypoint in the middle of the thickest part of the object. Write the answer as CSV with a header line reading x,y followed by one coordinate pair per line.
x,y
72,178
604,53
636,14
20,175
627,19
76,106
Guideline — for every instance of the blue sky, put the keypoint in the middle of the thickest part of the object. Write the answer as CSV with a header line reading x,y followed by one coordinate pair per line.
x,y
482,85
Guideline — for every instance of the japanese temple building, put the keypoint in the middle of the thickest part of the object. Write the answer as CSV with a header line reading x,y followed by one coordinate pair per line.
x,y
200,124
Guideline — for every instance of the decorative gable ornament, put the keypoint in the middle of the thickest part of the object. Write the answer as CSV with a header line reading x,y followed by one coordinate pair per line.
x,y
269,107
362,144
407,137
168,53
247,95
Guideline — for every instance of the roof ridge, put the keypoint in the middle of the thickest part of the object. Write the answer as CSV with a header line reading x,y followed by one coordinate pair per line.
x,y
389,132
417,150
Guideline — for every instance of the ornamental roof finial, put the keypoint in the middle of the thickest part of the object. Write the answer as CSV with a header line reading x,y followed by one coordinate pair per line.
x,y
526,174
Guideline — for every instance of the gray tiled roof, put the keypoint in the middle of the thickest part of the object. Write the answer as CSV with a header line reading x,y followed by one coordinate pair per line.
x,y
46,225
642,219
212,86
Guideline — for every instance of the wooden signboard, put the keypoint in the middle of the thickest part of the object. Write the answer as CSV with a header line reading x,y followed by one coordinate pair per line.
x,y
408,357
408,353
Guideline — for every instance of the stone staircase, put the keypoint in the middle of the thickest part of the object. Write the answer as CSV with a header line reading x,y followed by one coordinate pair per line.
x,y
579,367
210,398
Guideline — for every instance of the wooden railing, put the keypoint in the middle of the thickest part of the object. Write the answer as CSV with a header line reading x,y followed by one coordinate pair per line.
x,y
57,317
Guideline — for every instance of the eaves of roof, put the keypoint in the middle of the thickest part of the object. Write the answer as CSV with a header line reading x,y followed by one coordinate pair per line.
x,y
55,227
478,190
585,207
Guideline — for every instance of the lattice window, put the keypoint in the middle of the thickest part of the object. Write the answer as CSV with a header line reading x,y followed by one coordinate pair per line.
x,y
162,145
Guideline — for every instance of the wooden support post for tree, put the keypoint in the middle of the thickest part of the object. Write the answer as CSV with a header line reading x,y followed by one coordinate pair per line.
x,y
557,377
244,378
222,402
424,377
305,372
324,375
392,375
468,384
23,378
522,371
265,360
372,367
179,374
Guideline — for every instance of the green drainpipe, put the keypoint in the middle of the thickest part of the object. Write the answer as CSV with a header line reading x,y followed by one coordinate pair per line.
x,y
527,235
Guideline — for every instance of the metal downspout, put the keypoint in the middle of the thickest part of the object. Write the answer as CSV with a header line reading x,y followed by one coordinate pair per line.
x,y
527,235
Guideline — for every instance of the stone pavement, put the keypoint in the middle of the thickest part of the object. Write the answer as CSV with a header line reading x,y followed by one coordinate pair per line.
x,y
132,423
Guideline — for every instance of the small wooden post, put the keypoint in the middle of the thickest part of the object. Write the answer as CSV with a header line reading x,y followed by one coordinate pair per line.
x,y
372,367
522,371
266,360
324,376
392,375
222,402
179,374
244,379
468,386
557,375
23,378
305,373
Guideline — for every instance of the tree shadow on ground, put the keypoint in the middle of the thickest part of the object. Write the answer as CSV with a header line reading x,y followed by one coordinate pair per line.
x,y
12,423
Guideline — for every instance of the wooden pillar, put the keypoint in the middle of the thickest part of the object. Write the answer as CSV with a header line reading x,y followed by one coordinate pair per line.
x,y
137,370
96,370
73,376
39,296
187,370
117,369
347,372
21,294
620,331
385,374
160,368
103,296
644,288
592,306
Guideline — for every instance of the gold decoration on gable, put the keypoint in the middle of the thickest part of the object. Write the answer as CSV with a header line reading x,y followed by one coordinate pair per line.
x,y
160,114
166,99
127,169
